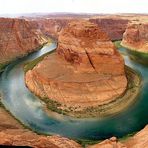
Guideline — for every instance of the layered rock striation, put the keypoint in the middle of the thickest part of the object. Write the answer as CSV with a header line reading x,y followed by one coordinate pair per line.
x,y
17,38
113,26
80,75
13,137
50,27
135,37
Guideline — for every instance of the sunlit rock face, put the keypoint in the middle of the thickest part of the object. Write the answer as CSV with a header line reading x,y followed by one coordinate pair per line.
x,y
88,48
18,137
136,36
139,140
85,71
17,38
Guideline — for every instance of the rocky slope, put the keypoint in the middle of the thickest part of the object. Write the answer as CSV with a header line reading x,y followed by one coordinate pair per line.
x,y
17,38
139,140
13,133
136,36
79,75
114,26
50,26
28,138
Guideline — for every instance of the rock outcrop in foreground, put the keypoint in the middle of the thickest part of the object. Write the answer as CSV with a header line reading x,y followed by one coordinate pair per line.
x,y
136,36
12,133
27,138
139,140
17,38
80,74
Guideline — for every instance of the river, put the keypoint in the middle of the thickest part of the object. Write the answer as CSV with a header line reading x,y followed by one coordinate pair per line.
x,y
29,109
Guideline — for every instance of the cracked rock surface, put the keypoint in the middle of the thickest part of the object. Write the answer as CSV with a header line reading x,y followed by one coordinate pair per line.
x,y
85,71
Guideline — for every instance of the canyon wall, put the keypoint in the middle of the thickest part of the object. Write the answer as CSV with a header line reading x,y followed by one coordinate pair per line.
x,y
20,36
139,140
114,27
136,36
50,26
17,38
79,75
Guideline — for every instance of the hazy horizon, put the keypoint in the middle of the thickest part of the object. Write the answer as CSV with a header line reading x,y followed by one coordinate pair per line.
x,y
15,7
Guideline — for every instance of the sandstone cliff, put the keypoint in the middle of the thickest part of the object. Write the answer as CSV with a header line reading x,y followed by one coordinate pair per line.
x,y
27,138
136,36
113,26
50,26
12,133
80,74
139,140
17,38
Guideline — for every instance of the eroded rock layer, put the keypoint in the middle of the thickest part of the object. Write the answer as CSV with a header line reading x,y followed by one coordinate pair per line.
x,y
80,74
113,26
136,36
17,38
27,138
139,140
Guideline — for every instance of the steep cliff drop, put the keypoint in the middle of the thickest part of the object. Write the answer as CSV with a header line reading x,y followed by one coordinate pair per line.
x,y
18,38
135,39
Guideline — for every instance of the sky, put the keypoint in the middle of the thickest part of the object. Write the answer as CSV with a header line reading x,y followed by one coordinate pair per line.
x,y
76,6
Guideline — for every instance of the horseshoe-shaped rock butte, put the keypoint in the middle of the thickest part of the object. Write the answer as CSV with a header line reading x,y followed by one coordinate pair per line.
x,y
85,71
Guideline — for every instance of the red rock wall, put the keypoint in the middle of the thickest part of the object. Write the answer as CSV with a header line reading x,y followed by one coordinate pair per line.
x,y
17,38
136,36
113,27
50,27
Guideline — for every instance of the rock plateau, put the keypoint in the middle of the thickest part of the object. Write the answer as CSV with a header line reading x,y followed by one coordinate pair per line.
x,y
79,74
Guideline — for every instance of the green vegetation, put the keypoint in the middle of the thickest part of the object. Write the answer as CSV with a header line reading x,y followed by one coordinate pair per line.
x,y
127,137
31,64
84,142
2,67
140,57
118,104
117,44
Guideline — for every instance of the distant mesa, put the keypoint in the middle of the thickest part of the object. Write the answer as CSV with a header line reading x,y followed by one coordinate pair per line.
x,y
84,75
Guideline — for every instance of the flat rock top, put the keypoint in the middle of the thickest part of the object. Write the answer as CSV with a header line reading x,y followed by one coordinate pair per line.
x,y
54,67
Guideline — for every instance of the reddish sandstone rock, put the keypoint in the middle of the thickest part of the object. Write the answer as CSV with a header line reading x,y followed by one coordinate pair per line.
x,y
136,36
109,143
17,38
50,27
139,140
80,75
114,26
27,138
88,48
